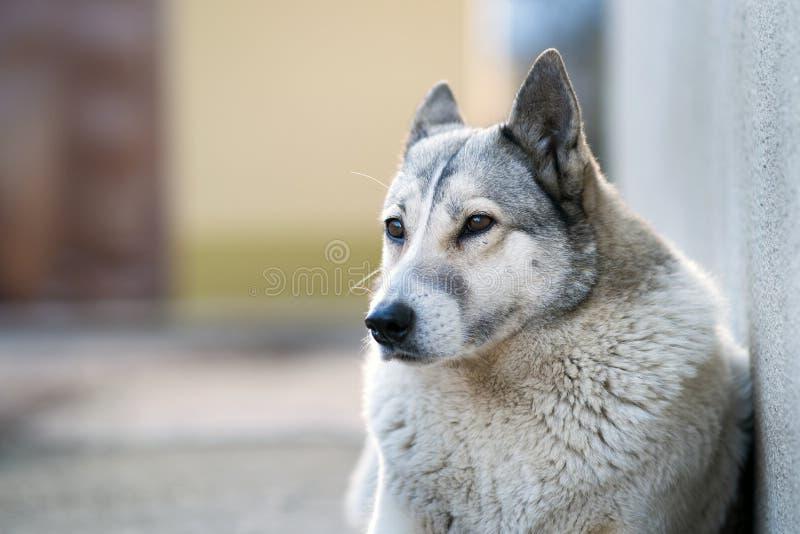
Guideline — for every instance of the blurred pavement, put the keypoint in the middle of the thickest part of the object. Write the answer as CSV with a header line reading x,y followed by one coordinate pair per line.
x,y
158,433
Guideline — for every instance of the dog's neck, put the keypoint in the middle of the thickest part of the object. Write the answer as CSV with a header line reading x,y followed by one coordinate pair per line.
x,y
628,250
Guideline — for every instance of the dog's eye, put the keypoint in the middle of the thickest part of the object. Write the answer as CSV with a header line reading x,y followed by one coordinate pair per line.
x,y
395,228
477,223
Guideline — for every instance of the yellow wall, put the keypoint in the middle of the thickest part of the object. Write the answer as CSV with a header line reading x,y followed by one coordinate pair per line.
x,y
274,103
271,105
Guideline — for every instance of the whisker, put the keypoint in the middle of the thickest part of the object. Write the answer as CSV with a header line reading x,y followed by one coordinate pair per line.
x,y
370,177
370,275
365,288
359,284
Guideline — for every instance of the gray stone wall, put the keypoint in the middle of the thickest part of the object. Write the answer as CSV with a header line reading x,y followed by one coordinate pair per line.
x,y
703,137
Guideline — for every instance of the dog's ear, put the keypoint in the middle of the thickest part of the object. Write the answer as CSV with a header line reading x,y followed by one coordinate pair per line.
x,y
545,121
438,111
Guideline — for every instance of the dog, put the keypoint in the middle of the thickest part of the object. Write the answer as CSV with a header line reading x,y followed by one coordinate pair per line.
x,y
541,361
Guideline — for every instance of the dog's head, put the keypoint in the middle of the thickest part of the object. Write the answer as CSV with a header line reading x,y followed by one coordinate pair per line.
x,y
486,230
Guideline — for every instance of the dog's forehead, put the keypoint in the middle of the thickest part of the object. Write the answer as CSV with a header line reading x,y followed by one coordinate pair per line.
x,y
488,165
423,164
464,163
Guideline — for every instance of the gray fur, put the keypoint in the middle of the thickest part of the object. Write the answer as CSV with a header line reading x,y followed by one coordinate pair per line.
x,y
573,374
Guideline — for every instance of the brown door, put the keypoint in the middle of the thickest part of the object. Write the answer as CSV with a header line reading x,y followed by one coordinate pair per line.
x,y
81,195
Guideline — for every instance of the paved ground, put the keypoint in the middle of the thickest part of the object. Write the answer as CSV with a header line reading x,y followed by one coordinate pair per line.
x,y
107,434
261,488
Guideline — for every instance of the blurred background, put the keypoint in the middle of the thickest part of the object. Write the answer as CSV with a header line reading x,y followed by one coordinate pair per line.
x,y
189,194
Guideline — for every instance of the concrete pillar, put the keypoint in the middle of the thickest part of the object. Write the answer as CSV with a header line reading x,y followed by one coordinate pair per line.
x,y
704,140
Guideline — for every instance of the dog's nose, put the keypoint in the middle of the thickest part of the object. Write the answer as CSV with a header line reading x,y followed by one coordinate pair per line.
x,y
390,323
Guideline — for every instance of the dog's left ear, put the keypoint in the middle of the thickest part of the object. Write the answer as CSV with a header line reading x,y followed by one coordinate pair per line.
x,y
545,121
437,111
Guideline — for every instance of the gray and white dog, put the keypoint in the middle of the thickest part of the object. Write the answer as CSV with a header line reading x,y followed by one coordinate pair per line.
x,y
542,360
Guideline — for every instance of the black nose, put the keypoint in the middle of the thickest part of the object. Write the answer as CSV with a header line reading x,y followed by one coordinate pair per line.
x,y
390,323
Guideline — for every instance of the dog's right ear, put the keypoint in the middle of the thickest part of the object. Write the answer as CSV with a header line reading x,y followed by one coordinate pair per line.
x,y
438,111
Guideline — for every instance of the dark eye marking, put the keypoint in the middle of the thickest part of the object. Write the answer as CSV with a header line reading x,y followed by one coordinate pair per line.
x,y
395,229
476,224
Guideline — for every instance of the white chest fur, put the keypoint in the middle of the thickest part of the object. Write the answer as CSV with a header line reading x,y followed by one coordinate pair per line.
x,y
581,440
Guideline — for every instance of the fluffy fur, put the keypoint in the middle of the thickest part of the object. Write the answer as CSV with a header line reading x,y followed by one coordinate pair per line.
x,y
590,387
